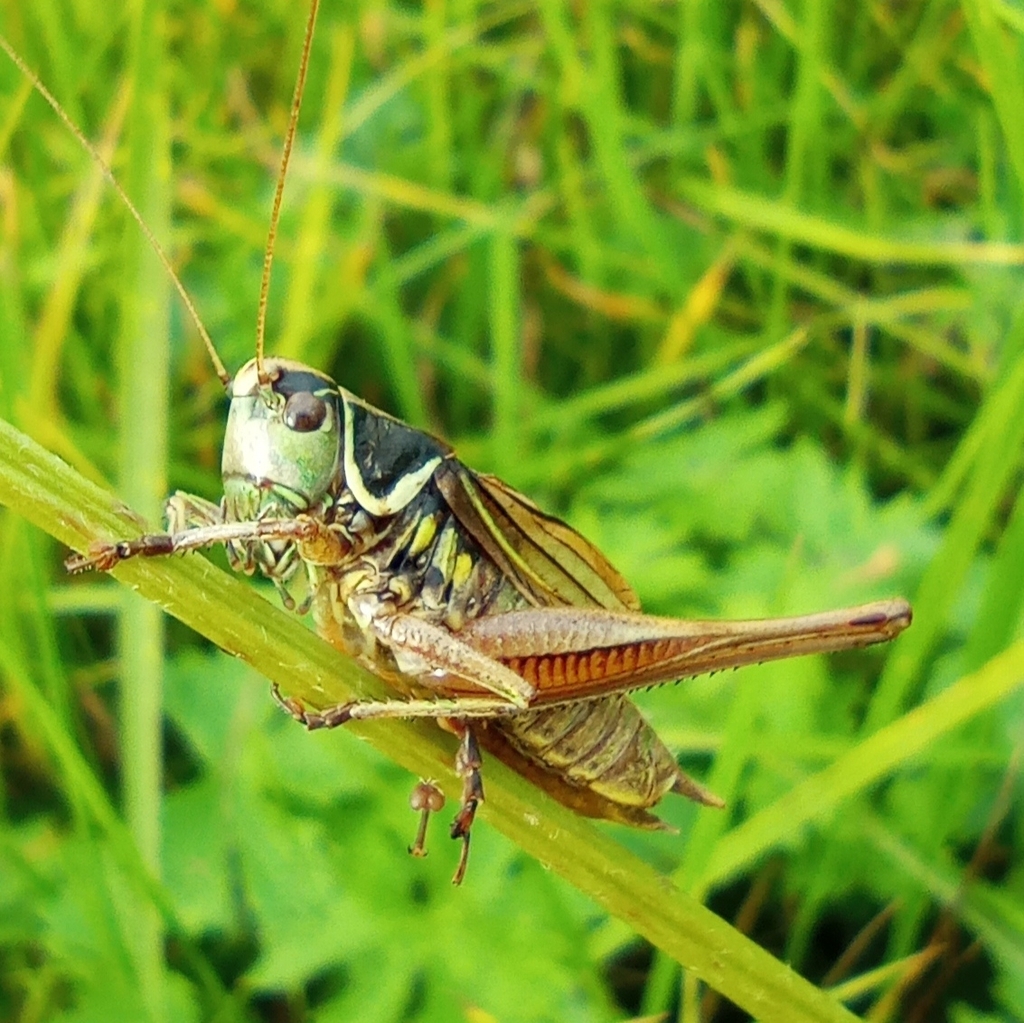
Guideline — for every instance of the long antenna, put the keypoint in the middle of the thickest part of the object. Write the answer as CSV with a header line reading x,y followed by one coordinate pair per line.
x,y
275,216
225,377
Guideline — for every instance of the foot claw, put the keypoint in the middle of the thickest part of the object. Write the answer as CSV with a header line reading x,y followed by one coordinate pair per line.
x,y
288,703
101,557
331,717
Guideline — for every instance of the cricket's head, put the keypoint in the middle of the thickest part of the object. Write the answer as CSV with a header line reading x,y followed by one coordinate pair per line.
x,y
299,442
283,442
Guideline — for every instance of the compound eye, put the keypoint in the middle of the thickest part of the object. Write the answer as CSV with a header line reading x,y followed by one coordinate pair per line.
x,y
304,412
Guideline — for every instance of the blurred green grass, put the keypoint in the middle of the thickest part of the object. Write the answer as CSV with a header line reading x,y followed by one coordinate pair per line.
x,y
734,287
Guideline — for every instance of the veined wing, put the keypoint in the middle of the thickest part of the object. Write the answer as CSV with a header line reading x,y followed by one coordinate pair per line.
x,y
545,559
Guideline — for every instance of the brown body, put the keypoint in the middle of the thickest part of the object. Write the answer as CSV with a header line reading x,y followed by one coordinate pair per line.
x,y
478,609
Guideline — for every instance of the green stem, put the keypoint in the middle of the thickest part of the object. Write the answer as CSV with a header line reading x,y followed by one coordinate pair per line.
x,y
37,485
144,385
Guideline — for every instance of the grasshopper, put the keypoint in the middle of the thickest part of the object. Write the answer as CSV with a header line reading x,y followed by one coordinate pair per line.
x,y
482,612
478,610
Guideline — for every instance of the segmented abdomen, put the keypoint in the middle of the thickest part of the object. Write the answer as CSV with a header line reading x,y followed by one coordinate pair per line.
x,y
603,744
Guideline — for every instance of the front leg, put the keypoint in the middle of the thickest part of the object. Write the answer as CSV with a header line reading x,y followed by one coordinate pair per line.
x,y
187,516
195,524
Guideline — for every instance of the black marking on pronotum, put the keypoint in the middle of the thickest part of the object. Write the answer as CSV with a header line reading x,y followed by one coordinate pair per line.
x,y
387,450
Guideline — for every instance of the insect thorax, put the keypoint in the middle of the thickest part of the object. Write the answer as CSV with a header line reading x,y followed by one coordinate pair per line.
x,y
419,561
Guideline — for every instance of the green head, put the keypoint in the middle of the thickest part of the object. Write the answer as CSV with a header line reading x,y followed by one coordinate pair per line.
x,y
282,446
299,443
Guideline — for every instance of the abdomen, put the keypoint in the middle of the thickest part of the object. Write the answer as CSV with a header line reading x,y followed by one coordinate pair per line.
x,y
602,744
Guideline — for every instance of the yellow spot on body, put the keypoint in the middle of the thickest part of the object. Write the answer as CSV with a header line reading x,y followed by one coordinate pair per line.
x,y
425,533
463,569
446,548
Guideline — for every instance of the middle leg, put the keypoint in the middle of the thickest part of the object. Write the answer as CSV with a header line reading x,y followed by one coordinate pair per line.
x,y
467,765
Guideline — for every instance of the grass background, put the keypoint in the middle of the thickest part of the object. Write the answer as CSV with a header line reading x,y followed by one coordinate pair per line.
x,y
734,287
